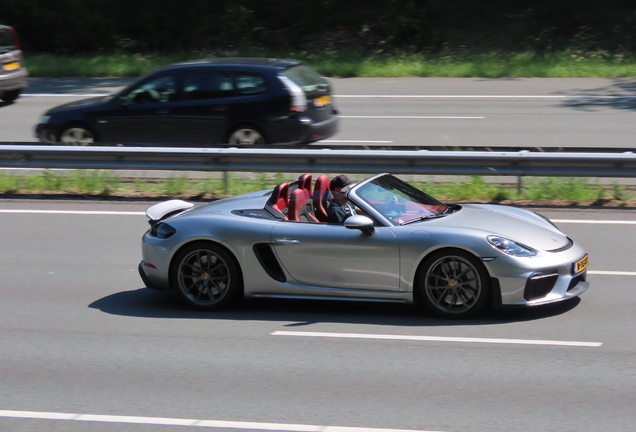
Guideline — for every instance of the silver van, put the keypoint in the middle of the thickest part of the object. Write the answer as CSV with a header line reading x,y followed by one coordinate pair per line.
x,y
13,75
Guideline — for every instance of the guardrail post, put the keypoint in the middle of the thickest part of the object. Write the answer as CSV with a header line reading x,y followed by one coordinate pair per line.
x,y
226,182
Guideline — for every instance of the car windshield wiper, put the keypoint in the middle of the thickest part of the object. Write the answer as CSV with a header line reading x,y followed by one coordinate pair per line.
x,y
427,217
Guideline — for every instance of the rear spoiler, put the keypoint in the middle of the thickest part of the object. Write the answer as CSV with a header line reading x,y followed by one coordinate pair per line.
x,y
161,211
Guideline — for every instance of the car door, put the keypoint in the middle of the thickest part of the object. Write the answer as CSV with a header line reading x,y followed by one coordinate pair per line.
x,y
330,255
143,114
202,112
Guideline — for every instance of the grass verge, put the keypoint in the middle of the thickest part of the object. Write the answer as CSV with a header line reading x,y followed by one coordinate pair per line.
x,y
107,185
450,63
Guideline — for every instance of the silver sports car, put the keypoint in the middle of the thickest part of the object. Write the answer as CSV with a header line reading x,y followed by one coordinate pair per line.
x,y
402,245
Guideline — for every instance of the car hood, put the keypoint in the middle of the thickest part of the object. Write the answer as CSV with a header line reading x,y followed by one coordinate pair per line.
x,y
84,103
517,224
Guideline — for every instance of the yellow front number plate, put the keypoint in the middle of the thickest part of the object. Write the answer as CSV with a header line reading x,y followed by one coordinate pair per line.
x,y
581,264
11,66
322,101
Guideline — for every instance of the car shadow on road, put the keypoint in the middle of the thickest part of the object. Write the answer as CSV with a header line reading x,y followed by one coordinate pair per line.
x,y
620,95
146,303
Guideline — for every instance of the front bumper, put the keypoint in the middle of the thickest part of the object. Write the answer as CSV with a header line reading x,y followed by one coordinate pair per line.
x,y
45,132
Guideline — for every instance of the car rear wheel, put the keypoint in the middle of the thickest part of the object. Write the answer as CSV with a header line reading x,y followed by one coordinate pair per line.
x,y
10,96
77,135
206,276
246,135
454,284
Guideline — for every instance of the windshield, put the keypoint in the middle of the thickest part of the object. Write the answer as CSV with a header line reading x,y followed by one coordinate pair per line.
x,y
400,202
306,78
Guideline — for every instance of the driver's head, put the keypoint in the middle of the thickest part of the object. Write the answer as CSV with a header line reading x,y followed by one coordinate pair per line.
x,y
338,182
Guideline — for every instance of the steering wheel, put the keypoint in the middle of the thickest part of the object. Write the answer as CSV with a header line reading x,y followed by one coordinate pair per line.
x,y
390,205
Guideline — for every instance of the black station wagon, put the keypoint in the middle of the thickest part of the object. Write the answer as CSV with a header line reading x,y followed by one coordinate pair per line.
x,y
241,101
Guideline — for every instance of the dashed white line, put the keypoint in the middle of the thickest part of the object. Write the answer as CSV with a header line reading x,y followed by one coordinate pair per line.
x,y
74,212
485,96
411,117
591,221
164,421
438,339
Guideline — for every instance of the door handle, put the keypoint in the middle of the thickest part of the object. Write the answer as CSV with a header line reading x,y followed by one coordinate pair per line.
x,y
163,111
287,241
220,108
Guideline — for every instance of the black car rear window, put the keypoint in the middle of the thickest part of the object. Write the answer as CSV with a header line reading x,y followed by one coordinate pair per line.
x,y
6,40
306,78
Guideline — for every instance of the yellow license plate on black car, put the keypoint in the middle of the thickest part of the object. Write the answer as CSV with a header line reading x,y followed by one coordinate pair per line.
x,y
581,264
11,66
322,101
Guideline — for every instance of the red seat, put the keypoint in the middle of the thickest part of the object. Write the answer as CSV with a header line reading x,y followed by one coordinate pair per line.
x,y
298,210
305,185
278,201
321,198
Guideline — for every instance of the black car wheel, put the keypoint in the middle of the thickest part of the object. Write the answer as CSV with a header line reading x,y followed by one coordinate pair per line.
x,y
206,276
246,135
454,284
77,135
10,96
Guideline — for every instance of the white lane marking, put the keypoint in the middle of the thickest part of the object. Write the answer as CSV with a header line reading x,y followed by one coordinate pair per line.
x,y
487,96
591,221
351,142
192,422
413,117
64,94
74,212
437,338
391,96
611,273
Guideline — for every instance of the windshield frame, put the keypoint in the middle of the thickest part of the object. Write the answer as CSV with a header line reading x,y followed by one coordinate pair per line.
x,y
407,195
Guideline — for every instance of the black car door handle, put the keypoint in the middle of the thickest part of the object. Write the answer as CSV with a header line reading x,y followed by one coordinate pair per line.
x,y
220,108
162,111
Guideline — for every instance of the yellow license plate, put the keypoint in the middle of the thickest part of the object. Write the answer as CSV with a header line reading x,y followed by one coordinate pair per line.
x,y
322,101
581,264
11,66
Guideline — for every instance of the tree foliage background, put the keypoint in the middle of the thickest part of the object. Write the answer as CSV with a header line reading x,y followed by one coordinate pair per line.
x,y
81,26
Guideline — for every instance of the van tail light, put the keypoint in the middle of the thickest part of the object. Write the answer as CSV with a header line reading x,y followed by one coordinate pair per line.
x,y
298,98
16,39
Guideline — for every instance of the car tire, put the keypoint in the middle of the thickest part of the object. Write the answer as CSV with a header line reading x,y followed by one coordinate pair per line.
x,y
10,96
77,135
206,276
453,284
246,135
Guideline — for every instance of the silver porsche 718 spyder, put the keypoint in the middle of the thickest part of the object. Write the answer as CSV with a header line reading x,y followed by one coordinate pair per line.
x,y
402,245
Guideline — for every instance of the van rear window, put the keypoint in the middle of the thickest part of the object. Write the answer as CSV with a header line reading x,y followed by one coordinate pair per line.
x,y
6,40
306,78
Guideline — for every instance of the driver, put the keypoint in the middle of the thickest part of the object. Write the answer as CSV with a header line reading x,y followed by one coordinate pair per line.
x,y
340,208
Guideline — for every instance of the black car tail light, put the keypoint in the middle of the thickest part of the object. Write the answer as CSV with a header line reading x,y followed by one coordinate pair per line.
x,y
162,230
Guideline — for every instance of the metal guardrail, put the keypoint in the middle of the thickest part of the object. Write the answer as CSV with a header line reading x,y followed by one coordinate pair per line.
x,y
490,163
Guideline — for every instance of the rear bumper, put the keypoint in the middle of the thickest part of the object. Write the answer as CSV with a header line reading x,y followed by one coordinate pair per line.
x,y
319,131
13,80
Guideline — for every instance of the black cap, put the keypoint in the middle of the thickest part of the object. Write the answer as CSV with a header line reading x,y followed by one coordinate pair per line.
x,y
339,181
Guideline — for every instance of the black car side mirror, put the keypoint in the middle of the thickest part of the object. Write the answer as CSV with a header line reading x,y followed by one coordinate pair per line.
x,y
361,223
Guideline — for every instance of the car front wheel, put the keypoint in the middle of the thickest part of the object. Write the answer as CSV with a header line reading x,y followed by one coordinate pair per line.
x,y
206,276
454,284
77,135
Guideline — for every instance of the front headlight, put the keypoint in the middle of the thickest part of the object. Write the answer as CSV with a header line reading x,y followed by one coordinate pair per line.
x,y
45,119
510,247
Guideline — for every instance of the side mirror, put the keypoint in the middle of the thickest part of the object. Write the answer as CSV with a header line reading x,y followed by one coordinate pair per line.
x,y
361,223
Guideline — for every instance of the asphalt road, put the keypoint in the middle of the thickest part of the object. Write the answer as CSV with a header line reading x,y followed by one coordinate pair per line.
x,y
80,335
455,112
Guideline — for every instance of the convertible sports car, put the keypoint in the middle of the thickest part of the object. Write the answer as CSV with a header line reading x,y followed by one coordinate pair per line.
x,y
401,246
